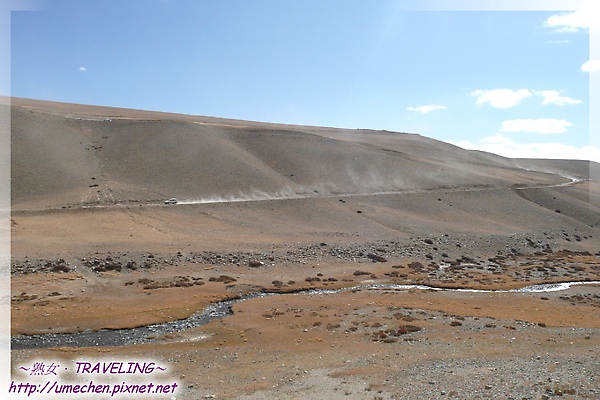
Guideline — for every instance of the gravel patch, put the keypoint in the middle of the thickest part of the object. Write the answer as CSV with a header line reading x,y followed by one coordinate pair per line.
x,y
569,377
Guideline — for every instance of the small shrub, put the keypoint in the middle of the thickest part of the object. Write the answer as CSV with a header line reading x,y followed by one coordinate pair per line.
x,y
403,330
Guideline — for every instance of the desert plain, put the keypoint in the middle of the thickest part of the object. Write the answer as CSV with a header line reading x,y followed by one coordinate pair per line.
x,y
383,265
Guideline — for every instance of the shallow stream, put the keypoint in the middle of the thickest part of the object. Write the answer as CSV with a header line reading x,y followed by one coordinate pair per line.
x,y
149,333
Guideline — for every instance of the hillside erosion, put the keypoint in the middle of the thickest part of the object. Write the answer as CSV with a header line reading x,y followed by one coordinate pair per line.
x,y
74,155
95,178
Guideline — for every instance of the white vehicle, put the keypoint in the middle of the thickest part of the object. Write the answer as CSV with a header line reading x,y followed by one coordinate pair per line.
x,y
171,201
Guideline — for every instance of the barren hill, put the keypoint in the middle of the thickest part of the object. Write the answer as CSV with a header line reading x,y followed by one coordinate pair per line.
x,y
71,155
280,208
113,169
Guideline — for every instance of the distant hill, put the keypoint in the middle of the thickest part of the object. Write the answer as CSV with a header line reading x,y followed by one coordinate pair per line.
x,y
67,154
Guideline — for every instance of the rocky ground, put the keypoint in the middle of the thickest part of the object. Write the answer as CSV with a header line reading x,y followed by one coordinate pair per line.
x,y
364,343
279,209
370,344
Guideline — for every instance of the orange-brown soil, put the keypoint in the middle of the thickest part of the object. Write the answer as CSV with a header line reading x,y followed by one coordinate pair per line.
x,y
94,246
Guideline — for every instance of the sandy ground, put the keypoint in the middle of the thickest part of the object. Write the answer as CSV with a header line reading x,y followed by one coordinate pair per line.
x,y
94,246
361,343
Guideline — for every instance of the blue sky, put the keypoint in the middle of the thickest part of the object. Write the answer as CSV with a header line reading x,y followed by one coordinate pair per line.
x,y
512,82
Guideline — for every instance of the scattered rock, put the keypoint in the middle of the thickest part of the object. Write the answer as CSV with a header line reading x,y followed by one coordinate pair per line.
x,y
376,258
255,264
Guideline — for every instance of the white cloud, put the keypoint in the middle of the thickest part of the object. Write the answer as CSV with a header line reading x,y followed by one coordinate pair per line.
x,y
501,98
507,147
554,97
583,19
591,65
545,126
83,69
426,109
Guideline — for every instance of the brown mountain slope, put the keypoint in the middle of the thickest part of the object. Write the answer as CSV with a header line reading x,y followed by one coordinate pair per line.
x,y
72,155
94,246
326,184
